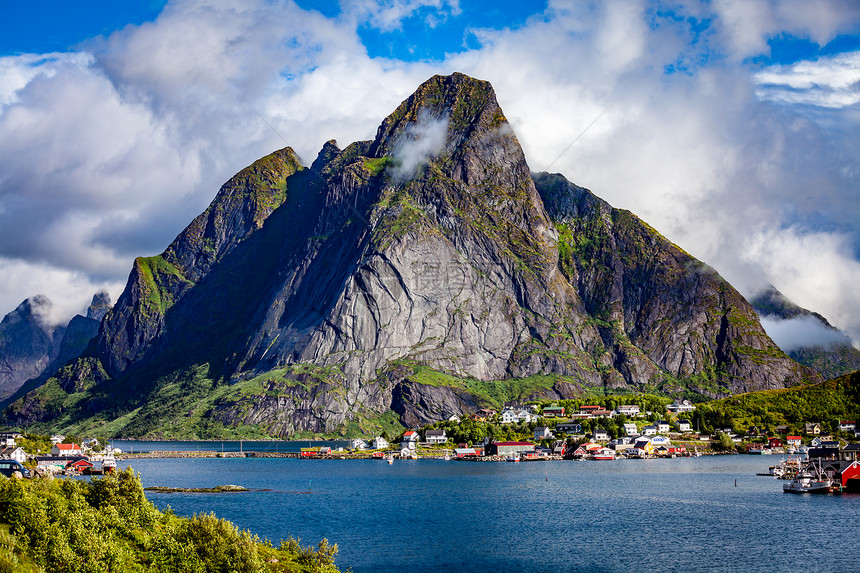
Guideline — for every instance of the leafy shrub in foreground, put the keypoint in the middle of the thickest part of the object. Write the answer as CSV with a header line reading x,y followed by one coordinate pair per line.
x,y
108,524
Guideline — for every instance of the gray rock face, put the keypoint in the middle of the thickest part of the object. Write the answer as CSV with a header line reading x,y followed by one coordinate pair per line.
x,y
660,311
100,306
31,347
430,246
28,343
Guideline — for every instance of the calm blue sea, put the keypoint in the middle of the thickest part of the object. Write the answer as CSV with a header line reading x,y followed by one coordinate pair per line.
x,y
697,514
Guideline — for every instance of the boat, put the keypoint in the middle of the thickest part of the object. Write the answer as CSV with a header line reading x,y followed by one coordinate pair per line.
x,y
512,458
603,454
108,464
810,480
760,451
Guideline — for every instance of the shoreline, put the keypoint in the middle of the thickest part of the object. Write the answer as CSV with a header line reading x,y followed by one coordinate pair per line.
x,y
353,456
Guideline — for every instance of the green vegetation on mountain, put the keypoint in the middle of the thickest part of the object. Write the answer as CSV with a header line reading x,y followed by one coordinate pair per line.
x,y
825,403
349,297
107,524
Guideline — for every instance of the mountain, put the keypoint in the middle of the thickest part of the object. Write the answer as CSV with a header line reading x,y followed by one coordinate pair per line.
x,y
423,273
28,343
31,346
807,336
826,402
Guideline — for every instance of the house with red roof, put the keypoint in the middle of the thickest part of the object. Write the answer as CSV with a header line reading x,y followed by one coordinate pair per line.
x,y
410,440
66,450
793,440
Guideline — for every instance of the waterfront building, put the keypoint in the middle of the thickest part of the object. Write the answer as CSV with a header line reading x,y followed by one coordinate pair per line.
x,y
379,443
13,453
435,437
508,448
794,441
410,440
67,450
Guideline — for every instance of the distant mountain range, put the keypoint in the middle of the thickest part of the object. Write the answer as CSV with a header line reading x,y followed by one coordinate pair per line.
x,y
809,337
31,344
424,273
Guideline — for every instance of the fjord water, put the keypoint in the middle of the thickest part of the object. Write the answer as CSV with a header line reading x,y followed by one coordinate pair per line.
x,y
436,515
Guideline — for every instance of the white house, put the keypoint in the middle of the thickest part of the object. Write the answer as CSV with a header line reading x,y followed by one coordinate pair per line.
x,y
847,425
410,440
663,427
435,437
13,453
684,426
379,443
511,416
649,431
630,429
66,450
358,444
628,410
600,435
57,438
680,407
543,433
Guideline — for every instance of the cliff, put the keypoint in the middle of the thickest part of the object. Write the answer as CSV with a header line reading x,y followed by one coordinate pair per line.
x,y
425,272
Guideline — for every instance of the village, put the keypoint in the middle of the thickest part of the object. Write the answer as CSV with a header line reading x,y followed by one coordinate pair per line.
x,y
517,433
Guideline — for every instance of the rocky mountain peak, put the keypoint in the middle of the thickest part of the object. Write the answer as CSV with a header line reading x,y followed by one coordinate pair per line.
x,y
313,296
28,342
444,109
100,306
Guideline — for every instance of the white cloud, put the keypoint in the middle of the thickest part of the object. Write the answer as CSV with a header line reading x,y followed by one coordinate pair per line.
x,y
801,331
830,82
419,142
70,292
388,15
746,26
107,153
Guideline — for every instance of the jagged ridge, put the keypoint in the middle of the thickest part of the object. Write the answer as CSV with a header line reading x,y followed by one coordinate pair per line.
x,y
429,247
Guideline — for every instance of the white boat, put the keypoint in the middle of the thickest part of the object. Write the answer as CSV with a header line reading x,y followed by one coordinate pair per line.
x,y
108,464
603,454
810,480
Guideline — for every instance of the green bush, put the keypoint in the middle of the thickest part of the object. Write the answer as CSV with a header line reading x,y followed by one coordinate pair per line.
x,y
108,524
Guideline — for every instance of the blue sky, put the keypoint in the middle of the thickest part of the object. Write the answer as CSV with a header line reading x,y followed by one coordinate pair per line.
x,y
730,126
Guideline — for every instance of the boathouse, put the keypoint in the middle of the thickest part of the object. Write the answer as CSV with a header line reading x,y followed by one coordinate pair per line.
x,y
508,448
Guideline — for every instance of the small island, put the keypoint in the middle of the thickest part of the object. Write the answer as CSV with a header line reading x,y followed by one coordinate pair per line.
x,y
216,489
